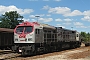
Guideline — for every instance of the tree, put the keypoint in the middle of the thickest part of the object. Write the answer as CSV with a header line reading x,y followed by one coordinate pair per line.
x,y
10,19
85,36
88,36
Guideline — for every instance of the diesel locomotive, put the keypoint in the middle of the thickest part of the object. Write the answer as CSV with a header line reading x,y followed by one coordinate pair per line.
x,y
33,37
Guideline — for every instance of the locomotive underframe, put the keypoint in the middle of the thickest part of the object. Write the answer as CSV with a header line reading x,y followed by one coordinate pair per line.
x,y
30,49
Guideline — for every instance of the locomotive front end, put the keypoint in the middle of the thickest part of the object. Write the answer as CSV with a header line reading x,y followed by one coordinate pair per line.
x,y
24,38
24,34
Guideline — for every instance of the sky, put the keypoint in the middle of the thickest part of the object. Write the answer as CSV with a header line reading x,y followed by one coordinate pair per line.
x,y
69,14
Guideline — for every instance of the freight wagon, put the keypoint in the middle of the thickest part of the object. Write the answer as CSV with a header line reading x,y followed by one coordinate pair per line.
x,y
6,38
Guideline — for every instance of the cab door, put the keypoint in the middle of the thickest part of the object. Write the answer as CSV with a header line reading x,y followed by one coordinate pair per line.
x,y
77,36
38,36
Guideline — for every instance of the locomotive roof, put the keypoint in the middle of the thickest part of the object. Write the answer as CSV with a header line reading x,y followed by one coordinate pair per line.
x,y
47,26
65,29
6,30
43,25
39,24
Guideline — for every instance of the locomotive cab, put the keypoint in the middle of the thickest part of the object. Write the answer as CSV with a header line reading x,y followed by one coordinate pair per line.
x,y
26,35
21,34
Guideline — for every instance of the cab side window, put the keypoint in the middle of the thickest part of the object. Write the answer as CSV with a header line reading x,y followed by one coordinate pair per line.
x,y
77,35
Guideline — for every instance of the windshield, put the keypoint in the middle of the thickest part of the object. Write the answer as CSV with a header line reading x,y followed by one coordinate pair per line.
x,y
28,29
25,29
19,29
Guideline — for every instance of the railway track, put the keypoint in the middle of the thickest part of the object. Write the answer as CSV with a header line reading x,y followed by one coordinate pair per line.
x,y
7,54
66,54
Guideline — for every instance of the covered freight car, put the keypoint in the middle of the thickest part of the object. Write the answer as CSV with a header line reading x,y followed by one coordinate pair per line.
x,y
6,38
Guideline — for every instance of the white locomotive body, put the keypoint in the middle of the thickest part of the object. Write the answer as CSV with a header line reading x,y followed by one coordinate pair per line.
x,y
33,37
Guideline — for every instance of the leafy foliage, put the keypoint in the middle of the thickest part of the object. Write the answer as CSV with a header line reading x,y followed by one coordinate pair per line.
x,y
10,19
85,36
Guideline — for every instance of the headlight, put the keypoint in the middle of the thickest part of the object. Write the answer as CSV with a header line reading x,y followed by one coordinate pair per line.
x,y
16,39
29,39
25,39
